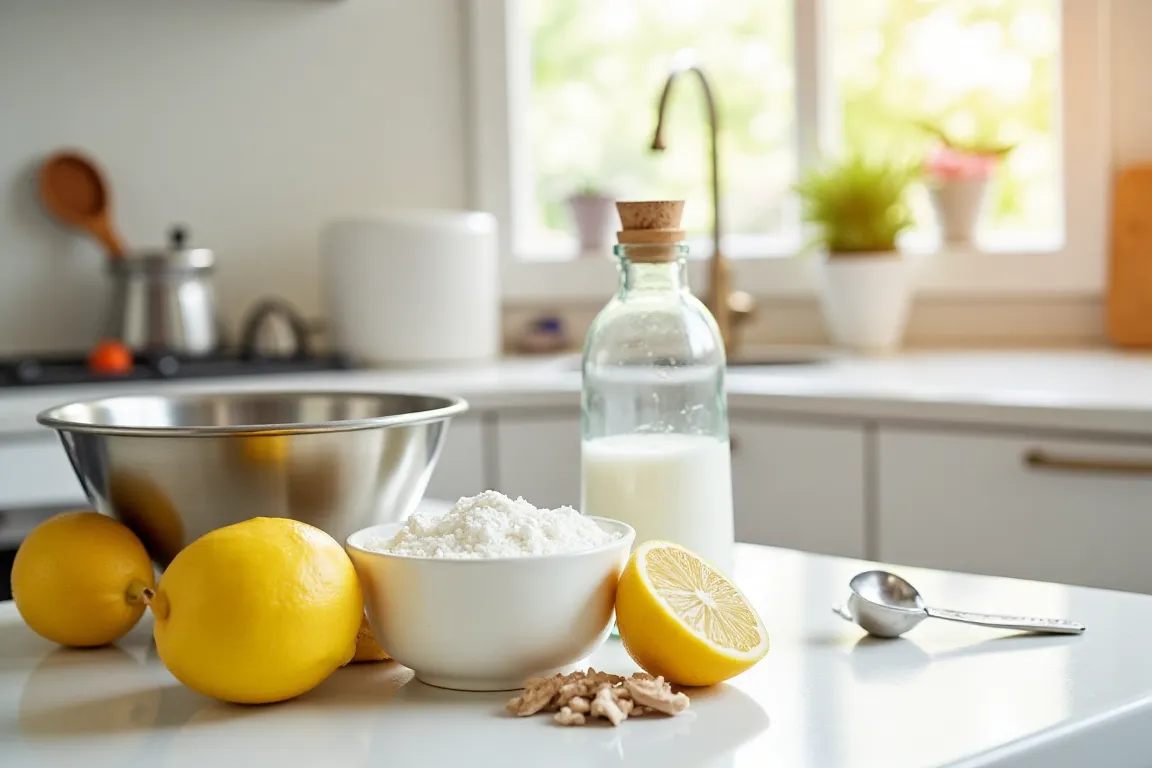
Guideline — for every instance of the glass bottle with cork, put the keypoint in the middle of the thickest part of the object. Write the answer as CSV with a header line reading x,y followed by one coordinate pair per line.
x,y
654,410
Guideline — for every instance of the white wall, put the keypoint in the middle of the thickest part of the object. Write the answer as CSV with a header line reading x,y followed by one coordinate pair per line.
x,y
254,120
1131,66
250,120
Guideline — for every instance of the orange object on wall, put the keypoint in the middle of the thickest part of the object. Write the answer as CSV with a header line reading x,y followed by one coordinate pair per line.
x,y
1129,293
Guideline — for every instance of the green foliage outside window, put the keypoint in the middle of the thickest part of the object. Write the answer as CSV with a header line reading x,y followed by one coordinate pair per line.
x,y
982,70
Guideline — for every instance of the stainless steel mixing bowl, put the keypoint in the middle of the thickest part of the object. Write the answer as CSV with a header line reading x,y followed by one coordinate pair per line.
x,y
173,467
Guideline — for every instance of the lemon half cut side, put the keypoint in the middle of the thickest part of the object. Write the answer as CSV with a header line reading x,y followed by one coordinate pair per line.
x,y
681,618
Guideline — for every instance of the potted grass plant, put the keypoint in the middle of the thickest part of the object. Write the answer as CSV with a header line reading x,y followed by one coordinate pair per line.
x,y
857,208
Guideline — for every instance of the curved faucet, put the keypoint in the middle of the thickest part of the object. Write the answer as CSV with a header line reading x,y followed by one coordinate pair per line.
x,y
728,307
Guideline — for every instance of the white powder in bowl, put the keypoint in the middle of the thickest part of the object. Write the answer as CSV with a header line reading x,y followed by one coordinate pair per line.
x,y
493,525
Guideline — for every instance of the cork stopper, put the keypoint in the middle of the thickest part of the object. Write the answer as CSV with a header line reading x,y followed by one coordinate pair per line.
x,y
654,225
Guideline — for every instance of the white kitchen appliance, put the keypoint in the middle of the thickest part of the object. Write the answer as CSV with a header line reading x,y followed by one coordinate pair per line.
x,y
413,287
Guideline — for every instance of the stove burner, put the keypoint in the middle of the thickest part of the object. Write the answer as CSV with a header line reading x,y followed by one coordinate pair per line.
x,y
73,369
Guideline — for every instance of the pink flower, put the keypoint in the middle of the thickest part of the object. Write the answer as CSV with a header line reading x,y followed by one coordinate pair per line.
x,y
948,163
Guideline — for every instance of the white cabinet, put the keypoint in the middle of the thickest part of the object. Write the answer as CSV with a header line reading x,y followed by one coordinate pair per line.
x,y
460,470
34,471
799,485
538,457
1073,511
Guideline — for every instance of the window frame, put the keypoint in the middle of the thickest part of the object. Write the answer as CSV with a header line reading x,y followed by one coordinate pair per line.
x,y
498,80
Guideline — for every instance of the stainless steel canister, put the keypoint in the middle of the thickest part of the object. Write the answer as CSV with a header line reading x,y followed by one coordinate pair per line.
x,y
163,300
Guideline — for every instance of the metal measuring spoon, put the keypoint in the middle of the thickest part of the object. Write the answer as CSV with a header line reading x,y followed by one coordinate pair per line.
x,y
886,605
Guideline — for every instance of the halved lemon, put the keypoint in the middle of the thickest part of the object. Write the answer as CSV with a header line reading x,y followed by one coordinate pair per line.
x,y
680,617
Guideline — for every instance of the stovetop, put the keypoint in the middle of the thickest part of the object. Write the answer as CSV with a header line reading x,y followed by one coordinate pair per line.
x,y
45,370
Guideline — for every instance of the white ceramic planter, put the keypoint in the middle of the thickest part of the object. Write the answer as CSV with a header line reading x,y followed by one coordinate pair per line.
x,y
595,220
866,300
958,203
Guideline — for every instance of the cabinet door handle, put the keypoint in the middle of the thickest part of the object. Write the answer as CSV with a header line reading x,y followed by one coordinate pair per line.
x,y
733,443
1042,460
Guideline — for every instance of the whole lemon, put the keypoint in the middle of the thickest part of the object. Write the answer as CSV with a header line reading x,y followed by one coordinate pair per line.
x,y
367,649
257,612
81,579
270,450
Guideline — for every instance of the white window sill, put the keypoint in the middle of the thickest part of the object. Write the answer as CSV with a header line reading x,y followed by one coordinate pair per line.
x,y
949,272
755,247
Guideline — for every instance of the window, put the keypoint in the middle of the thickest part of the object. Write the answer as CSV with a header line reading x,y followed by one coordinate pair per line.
x,y
984,70
565,93
596,70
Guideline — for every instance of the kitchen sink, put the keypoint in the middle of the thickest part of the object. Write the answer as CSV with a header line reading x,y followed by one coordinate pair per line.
x,y
768,357
780,356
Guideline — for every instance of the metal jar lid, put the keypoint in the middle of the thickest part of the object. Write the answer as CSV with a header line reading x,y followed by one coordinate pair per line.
x,y
175,258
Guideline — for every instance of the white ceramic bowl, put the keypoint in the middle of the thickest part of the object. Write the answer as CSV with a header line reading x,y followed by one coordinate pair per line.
x,y
489,624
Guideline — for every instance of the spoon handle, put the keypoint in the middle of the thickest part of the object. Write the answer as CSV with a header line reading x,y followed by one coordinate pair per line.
x,y
1022,623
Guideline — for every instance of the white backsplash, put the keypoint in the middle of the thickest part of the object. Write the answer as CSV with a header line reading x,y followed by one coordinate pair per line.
x,y
252,121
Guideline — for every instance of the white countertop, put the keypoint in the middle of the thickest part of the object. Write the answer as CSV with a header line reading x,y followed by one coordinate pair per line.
x,y
1078,391
946,695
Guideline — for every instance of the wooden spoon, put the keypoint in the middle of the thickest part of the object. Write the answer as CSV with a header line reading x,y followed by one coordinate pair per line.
x,y
73,189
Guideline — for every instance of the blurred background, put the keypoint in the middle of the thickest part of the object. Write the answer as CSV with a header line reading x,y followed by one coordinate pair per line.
x,y
982,70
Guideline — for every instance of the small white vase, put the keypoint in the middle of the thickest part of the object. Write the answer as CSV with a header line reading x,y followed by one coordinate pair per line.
x,y
595,220
958,203
866,299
